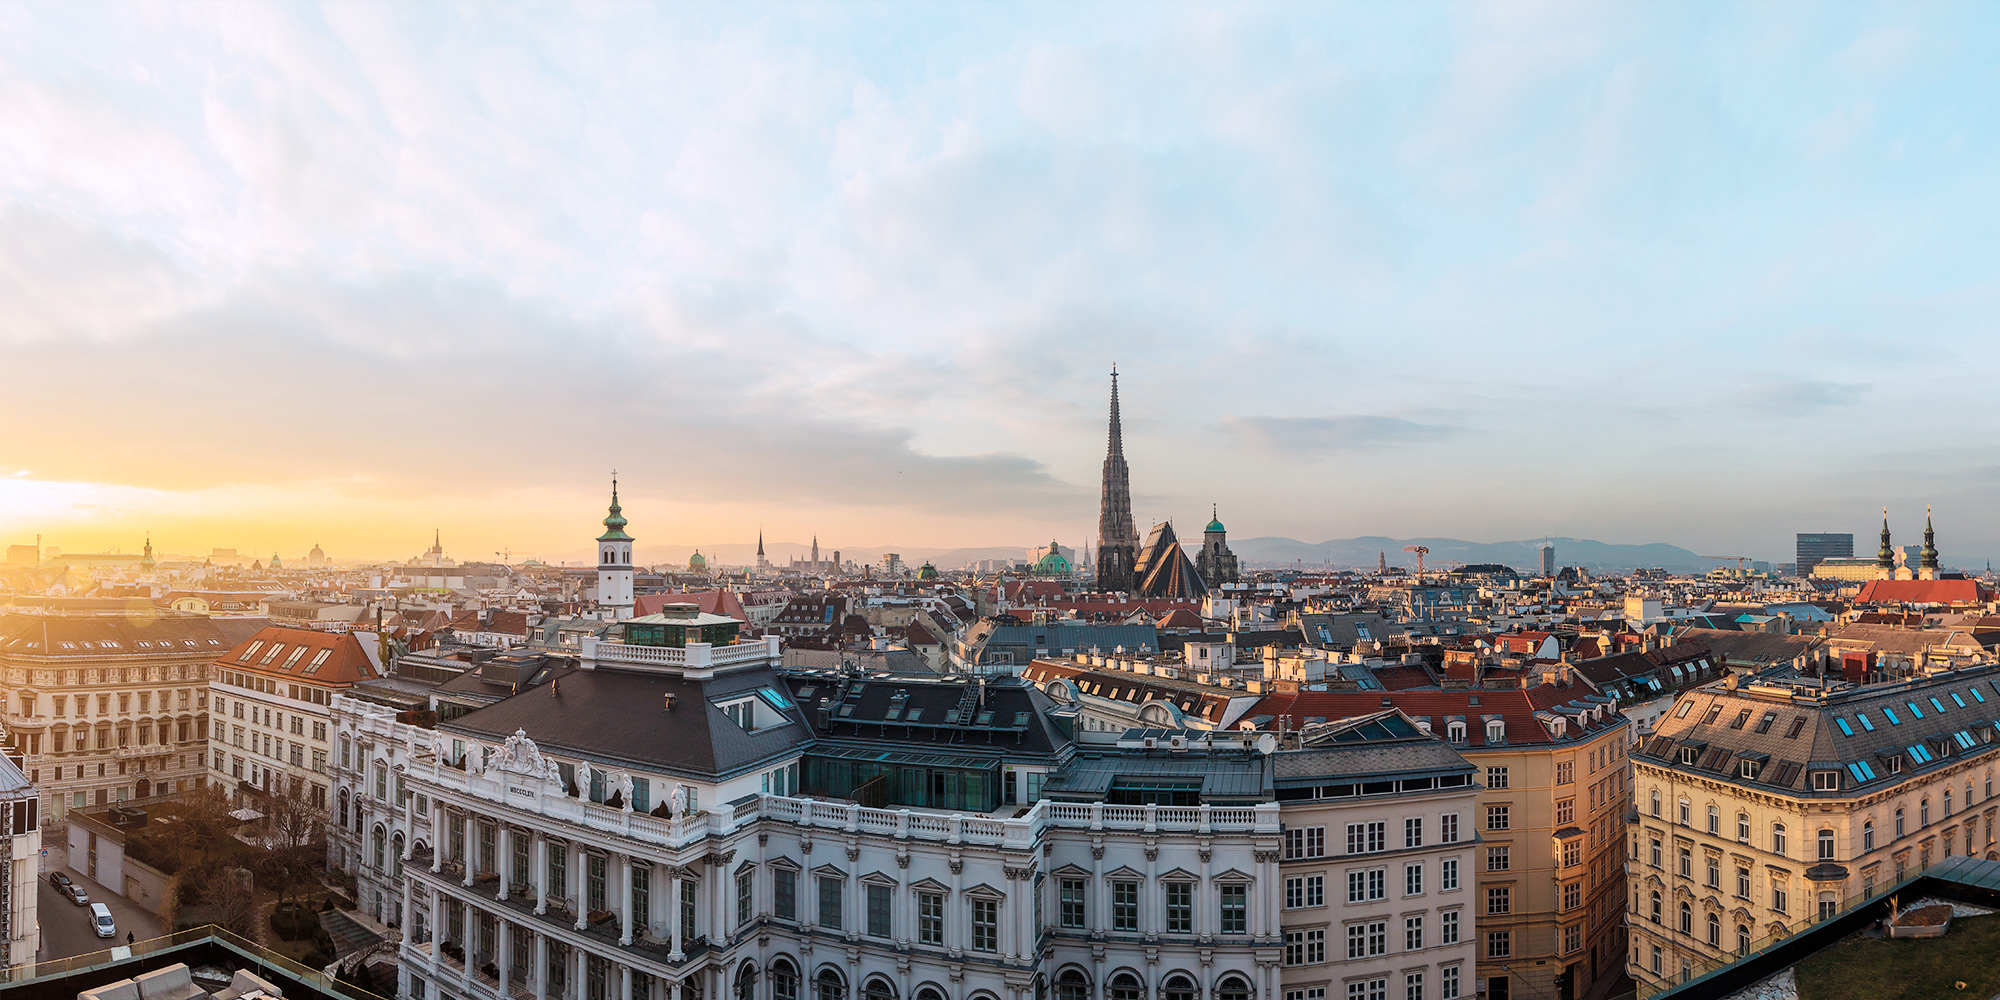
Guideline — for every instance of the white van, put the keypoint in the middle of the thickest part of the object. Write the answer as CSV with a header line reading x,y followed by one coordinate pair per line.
x,y
100,918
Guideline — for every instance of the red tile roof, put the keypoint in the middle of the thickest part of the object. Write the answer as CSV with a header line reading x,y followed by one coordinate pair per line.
x,y
715,602
330,658
1923,592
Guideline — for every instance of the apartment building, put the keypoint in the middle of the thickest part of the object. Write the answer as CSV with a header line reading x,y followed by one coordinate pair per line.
x,y
273,694
107,703
1379,894
20,825
1767,803
1549,872
375,817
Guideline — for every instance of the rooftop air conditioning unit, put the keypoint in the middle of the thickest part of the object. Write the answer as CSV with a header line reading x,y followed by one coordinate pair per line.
x,y
1178,742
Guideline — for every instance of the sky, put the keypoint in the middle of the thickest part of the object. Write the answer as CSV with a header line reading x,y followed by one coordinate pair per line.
x,y
274,275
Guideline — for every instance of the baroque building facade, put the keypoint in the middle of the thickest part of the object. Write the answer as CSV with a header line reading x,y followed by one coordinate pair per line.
x,y
105,704
1765,804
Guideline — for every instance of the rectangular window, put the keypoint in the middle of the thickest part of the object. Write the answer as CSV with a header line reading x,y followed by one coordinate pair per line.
x,y
1413,880
1124,906
1448,927
1305,947
1499,899
1572,895
830,887
930,918
1448,874
1366,885
1235,909
879,900
784,894
1565,811
1448,828
1305,842
1367,838
1496,859
1180,907
1565,771
1448,983
1496,817
1499,944
1069,902
1305,890
746,896
1413,933
1413,832
985,925
690,892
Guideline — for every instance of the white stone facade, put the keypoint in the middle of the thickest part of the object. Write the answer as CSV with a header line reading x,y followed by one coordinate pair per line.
x,y
532,892
374,817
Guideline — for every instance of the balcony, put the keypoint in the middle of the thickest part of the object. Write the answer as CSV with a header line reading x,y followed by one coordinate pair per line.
x,y
695,656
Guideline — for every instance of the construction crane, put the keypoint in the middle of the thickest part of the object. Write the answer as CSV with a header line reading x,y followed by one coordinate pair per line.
x,y
1421,551
505,555
1740,560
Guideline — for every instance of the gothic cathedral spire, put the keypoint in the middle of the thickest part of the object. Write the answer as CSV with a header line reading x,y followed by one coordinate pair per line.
x,y
1117,538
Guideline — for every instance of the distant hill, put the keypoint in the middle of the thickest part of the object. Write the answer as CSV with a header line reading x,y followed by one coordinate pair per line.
x,y
738,554
1361,553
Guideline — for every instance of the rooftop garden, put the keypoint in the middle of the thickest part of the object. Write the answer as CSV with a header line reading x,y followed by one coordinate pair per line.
x,y
1868,966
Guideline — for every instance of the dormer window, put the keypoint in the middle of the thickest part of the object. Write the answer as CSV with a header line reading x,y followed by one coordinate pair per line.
x,y
1496,731
1688,755
1455,731
1749,770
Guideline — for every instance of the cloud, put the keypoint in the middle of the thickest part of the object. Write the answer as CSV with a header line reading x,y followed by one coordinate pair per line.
x,y
1311,437
1802,396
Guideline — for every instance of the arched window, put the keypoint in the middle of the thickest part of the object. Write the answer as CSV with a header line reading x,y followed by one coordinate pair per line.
x,y
1714,820
1899,822
1714,931
1072,985
1656,802
829,986
1455,732
1496,731
1125,986
1947,802
1687,919
1178,988
1868,835
1743,827
396,855
342,813
1924,813
746,982
929,993
1232,988
1686,810
1743,939
1777,838
377,845
784,980
1656,906
878,989
1826,845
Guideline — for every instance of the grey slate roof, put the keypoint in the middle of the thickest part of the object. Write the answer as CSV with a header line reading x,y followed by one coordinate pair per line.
x,y
618,716
1226,779
1721,727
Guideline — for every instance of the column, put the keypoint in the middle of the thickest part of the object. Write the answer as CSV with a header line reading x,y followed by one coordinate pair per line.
x,y
674,936
1206,898
503,953
406,908
469,943
625,869
538,860
624,982
541,971
577,867
471,857
580,987
1100,893
503,843
438,840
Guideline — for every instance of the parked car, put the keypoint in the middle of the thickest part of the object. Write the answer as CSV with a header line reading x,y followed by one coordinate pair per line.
x,y
77,895
59,880
100,918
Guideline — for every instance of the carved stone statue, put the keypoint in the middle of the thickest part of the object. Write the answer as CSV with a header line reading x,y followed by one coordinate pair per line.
x,y
678,802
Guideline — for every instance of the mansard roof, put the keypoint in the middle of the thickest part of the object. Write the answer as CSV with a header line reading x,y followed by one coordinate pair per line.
x,y
622,717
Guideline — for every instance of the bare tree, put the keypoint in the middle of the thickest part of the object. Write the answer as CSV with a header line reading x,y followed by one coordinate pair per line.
x,y
294,821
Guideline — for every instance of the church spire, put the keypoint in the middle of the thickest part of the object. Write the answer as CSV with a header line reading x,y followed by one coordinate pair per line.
x,y
614,522
1885,557
1930,552
1117,538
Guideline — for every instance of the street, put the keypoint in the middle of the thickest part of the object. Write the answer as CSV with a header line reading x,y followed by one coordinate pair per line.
x,y
66,929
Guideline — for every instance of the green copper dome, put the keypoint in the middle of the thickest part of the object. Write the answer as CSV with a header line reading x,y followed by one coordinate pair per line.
x,y
1214,524
614,525
697,561
928,572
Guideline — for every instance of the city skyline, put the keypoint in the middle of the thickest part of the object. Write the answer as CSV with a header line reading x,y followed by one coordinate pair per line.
x,y
287,275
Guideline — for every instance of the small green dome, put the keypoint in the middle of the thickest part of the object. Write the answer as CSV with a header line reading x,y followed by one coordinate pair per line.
x,y
928,572
697,561
1214,525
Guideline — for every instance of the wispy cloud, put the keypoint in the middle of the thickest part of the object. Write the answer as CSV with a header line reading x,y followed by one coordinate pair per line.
x,y
1312,437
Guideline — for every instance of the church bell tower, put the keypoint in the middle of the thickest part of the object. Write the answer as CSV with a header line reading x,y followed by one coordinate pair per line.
x,y
614,562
